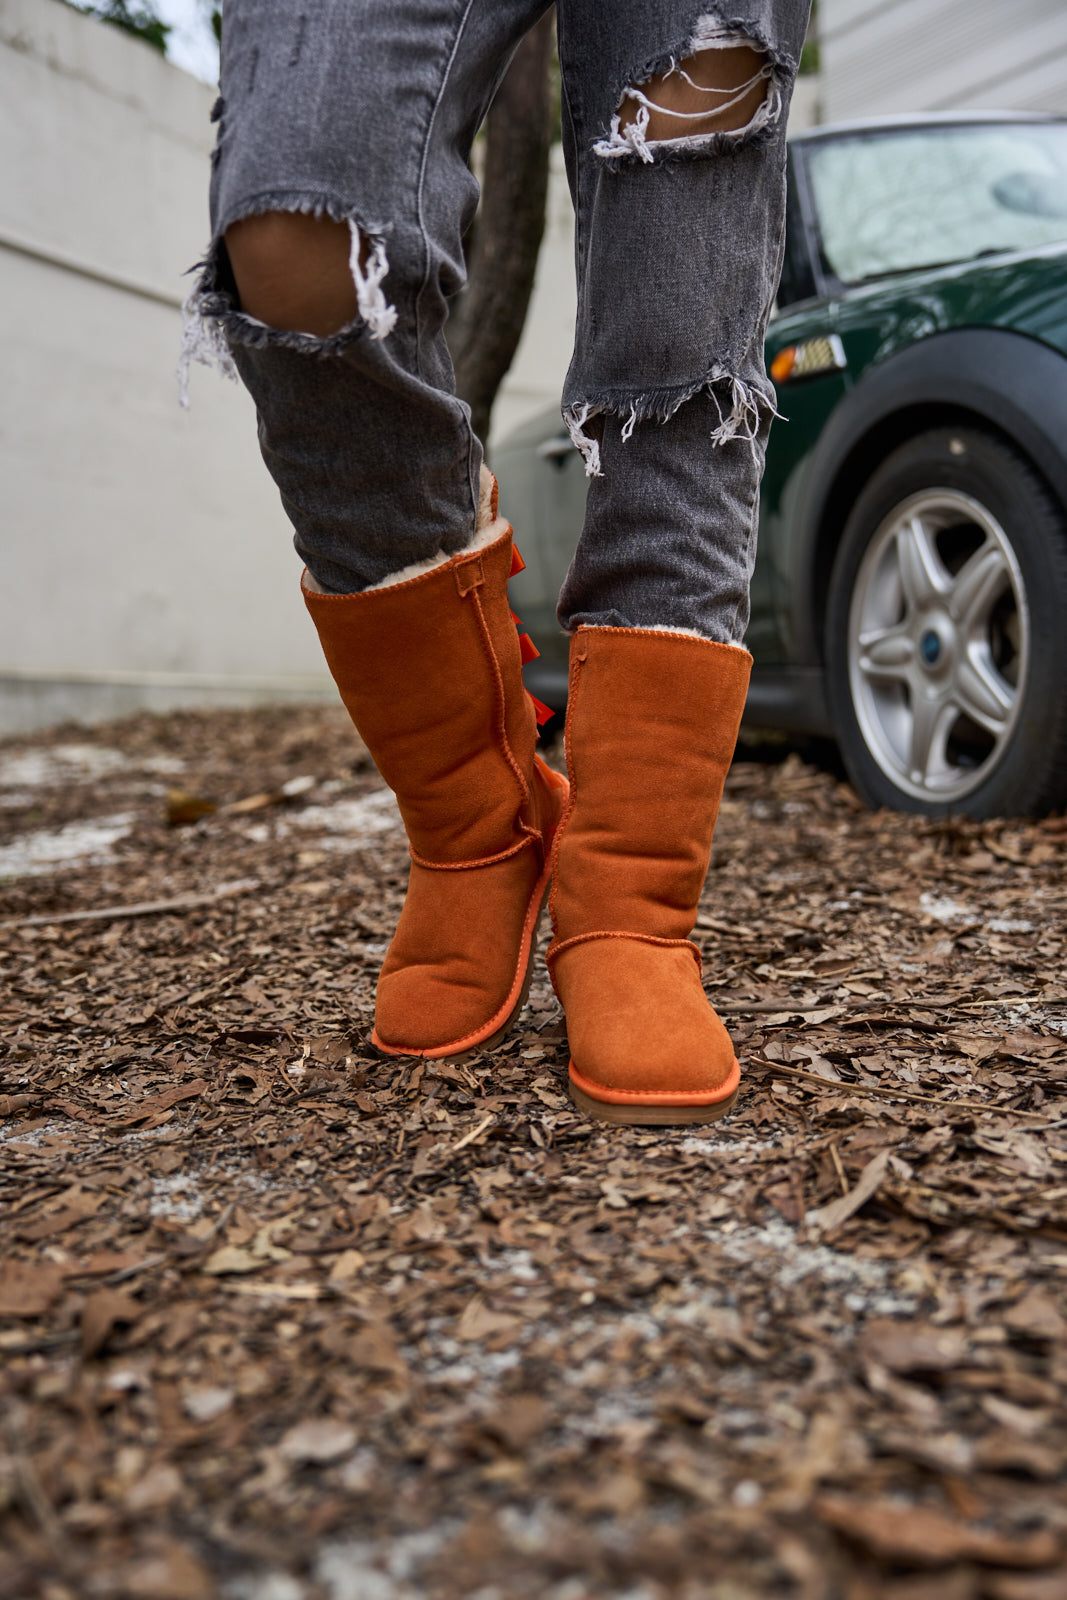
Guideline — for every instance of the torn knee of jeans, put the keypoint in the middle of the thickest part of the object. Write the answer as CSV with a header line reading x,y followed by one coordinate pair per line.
x,y
723,93
744,415
213,321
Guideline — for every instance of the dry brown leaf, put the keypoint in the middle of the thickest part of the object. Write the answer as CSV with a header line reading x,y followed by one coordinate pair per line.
x,y
159,1487
29,1288
519,1420
1038,1316
914,1346
174,1573
831,1216
318,1440
1027,1586
104,1311
183,807
928,1538
374,1349
479,1322
157,1103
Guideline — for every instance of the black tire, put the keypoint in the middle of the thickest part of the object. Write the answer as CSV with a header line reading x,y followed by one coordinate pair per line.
x,y
884,701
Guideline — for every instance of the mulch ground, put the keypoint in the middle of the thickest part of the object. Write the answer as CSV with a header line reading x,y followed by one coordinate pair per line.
x,y
282,1321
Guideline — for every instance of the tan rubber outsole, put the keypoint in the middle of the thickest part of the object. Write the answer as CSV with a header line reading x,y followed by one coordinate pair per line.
x,y
649,1116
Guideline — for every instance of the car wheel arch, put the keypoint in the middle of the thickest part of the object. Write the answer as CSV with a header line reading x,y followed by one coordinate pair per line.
x,y
942,381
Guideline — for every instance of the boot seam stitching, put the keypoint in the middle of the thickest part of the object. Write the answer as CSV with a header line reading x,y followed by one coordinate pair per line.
x,y
556,949
501,719
572,797
475,861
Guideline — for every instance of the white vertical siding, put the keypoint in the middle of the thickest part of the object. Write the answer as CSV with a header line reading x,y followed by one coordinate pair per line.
x,y
941,55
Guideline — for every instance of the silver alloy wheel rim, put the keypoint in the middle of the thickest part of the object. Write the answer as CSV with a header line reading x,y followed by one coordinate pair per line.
x,y
926,646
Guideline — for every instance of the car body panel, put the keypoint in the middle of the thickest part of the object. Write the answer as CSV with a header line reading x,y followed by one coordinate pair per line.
x,y
981,342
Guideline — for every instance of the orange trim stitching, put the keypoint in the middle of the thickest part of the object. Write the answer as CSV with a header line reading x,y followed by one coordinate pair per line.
x,y
472,568
478,861
556,949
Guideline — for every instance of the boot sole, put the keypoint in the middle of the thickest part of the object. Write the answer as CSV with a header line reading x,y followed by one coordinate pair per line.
x,y
649,1114
493,1031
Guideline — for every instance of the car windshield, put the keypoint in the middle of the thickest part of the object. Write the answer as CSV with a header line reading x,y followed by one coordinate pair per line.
x,y
903,199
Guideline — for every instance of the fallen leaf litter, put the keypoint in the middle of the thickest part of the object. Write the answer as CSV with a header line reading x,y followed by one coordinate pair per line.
x,y
282,1321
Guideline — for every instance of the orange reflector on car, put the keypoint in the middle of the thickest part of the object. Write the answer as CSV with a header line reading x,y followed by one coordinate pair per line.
x,y
783,363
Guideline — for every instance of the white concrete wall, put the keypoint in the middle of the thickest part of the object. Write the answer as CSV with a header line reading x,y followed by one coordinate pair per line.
x,y
146,559
942,55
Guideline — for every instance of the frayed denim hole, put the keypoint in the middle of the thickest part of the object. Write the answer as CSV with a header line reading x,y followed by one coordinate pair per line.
x,y
628,142
212,319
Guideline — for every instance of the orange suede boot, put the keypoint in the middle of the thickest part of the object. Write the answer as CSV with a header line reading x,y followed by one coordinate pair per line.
x,y
652,721
430,671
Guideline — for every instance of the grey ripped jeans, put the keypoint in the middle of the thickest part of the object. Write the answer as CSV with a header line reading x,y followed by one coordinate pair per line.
x,y
365,111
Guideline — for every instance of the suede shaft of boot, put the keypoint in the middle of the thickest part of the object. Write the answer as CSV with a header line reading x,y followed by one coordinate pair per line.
x,y
652,724
416,665
652,720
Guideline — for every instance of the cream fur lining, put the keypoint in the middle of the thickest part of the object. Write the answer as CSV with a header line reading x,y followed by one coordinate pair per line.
x,y
486,485
663,627
486,532
483,538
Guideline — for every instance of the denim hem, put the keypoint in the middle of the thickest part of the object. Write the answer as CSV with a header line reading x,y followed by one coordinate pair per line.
x,y
742,405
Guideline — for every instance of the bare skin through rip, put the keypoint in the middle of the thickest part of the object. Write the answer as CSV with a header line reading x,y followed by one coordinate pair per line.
x,y
715,91
293,271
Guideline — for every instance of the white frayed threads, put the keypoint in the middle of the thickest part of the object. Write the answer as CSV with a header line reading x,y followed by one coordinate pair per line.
x,y
590,448
375,310
742,421
633,138
202,340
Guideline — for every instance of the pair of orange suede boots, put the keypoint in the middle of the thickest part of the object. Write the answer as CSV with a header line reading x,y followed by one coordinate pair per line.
x,y
430,672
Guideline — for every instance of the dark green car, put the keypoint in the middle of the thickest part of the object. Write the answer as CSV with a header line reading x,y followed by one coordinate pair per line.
x,y
910,592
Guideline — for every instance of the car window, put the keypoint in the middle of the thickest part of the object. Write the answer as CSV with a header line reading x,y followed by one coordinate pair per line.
x,y
897,200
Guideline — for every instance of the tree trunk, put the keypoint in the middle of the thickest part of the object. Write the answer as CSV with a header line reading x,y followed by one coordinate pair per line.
x,y
487,321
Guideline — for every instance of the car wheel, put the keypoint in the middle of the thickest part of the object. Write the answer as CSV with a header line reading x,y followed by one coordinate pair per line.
x,y
946,637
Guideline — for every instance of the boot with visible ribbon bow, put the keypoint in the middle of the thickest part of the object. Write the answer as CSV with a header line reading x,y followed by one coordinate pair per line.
x,y
430,671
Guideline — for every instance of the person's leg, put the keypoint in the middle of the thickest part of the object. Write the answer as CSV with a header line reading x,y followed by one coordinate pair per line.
x,y
340,195
675,142
339,199
680,235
